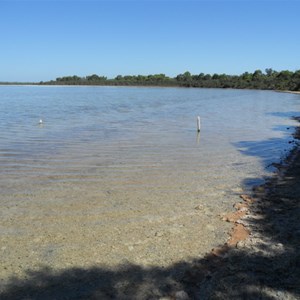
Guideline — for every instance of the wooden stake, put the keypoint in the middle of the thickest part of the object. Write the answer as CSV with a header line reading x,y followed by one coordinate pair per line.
x,y
198,124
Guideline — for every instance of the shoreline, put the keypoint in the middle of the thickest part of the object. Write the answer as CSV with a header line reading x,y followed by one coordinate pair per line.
x,y
144,86
261,257
289,92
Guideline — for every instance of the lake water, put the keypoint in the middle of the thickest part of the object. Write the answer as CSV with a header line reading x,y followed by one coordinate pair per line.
x,y
115,173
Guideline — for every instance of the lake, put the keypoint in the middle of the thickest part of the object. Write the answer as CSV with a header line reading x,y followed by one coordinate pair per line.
x,y
113,174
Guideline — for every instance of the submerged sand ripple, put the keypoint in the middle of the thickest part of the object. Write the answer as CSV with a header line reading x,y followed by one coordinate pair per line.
x,y
61,227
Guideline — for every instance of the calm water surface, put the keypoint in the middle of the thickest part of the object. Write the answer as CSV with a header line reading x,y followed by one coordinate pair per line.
x,y
96,133
124,157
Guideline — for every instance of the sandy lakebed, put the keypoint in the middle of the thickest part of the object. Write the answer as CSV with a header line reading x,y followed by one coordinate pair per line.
x,y
261,264
243,248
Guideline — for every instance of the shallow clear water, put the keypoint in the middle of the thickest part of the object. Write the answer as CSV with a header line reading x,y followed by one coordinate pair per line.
x,y
88,131
126,156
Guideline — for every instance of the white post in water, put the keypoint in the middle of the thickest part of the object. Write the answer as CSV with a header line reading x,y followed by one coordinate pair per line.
x,y
198,124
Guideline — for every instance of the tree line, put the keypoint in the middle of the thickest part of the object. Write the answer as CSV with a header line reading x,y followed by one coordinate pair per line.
x,y
267,80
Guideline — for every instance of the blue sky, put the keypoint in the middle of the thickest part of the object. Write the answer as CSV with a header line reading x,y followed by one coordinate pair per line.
x,y
42,40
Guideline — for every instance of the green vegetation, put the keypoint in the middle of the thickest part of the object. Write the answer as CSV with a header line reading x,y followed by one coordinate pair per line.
x,y
139,80
267,80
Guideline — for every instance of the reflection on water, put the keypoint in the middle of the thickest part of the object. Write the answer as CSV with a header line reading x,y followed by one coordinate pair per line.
x,y
198,138
124,168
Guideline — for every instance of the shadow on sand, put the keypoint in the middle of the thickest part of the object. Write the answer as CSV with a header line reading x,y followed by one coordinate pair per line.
x,y
268,267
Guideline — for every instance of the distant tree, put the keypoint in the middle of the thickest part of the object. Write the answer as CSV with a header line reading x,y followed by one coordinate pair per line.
x,y
96,78
186,76
93,77
207,77
269,72
119,77
246,76
285,75
257,75
201,76
296,74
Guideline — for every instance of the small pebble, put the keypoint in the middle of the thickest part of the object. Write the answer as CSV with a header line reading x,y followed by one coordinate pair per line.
x,y
159,233
181,295
199,207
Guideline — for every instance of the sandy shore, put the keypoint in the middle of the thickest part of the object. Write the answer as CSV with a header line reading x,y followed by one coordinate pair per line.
x,y
291,92
259,261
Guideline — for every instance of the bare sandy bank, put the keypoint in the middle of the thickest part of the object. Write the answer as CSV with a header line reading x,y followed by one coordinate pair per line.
x,y
290,92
